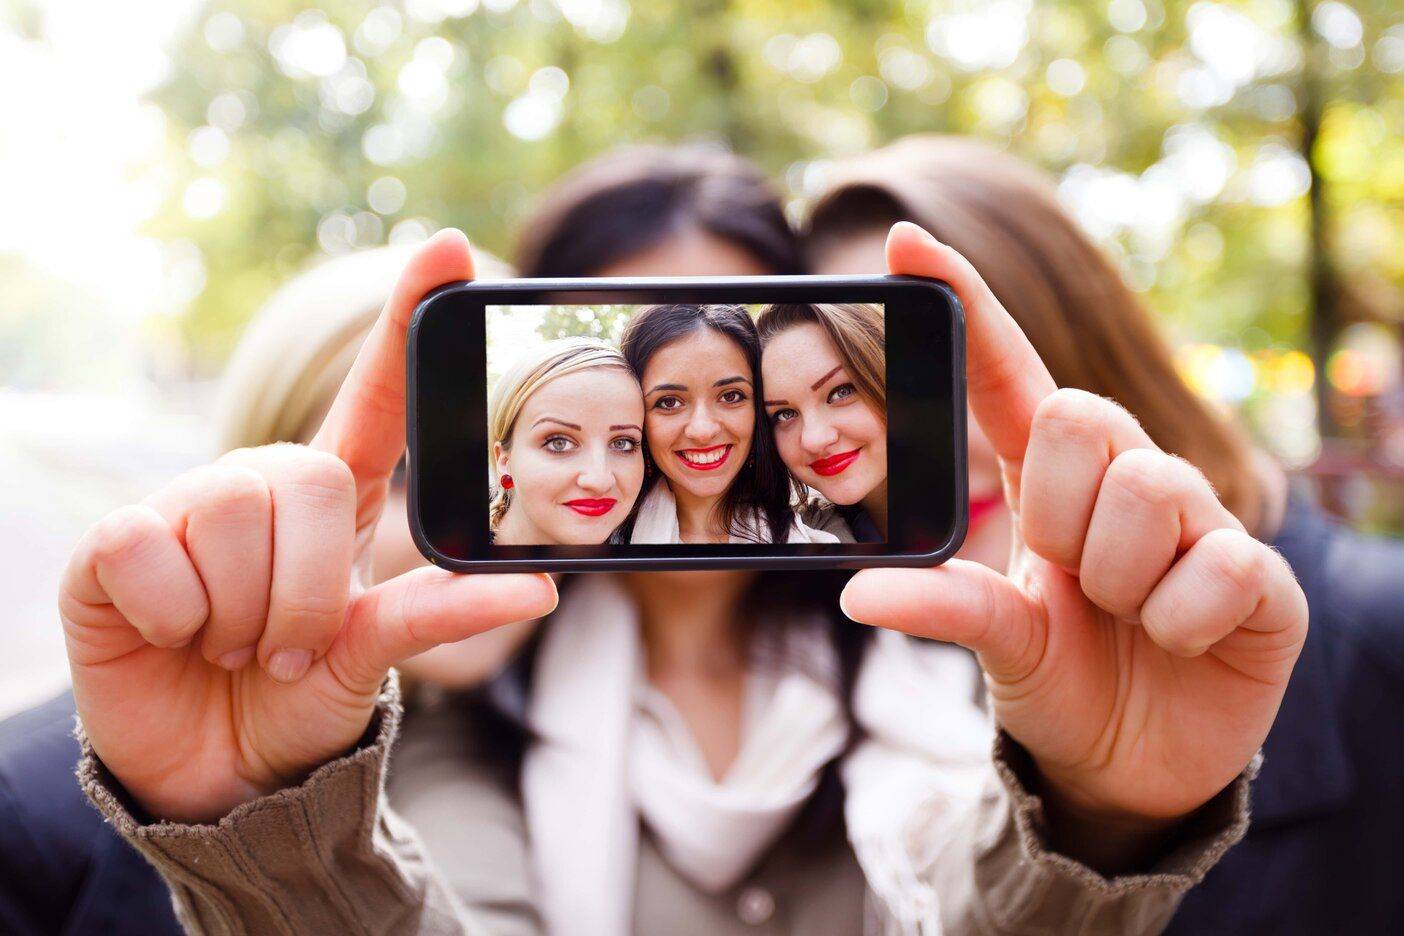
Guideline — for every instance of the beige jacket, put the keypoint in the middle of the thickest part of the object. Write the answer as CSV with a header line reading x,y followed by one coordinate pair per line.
x,y
333,856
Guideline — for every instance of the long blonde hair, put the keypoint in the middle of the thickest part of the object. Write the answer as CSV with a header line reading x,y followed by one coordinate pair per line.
x,y
298,348
855,329
1091,330
528,374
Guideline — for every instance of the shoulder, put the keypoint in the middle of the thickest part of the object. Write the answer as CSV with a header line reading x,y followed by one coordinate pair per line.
x,y
822,516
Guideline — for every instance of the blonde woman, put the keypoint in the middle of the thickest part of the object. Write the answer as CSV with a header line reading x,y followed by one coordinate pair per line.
x,y
566,430
825,371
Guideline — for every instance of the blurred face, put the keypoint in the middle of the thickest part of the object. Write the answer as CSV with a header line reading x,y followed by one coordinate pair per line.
x,y
987,540
701,412
830,437
576,459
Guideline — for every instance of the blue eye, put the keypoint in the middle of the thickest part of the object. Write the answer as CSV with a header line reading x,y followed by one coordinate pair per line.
x,y
842,392
626,445
783,415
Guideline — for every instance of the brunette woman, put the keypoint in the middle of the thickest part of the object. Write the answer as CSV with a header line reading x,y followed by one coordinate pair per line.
x,y
716,475
1327,807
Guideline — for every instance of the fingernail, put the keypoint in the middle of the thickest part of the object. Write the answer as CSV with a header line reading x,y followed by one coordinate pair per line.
x,y
236,659
288,665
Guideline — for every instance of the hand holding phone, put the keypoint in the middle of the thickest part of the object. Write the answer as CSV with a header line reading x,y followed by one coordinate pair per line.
x,y
1141,642
223,635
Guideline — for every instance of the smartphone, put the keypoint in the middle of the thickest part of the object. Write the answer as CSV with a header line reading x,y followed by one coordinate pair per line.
x,y
782,422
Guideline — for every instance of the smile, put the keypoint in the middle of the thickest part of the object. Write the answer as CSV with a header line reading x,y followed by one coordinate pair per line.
x,y
592,507
834,464
704,459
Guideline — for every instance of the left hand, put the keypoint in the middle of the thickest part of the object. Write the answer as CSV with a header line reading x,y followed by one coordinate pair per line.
x,y
1141,642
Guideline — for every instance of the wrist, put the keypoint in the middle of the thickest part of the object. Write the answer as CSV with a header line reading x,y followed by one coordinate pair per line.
x,y
1105,837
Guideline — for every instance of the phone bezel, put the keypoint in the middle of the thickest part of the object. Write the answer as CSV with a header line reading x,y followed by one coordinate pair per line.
x,y
449,327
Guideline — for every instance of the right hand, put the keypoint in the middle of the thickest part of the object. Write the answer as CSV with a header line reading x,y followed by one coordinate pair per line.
x,y
224,635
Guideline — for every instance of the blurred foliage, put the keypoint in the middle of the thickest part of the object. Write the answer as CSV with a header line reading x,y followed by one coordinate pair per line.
x,y
1177,130
586,321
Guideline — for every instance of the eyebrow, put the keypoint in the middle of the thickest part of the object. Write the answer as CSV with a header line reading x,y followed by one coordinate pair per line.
x,y
814,386
667,386
625,426
821,381
568,425
731,380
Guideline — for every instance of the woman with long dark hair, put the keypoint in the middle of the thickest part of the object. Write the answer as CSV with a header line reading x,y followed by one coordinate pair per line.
x,y
674,733
715,475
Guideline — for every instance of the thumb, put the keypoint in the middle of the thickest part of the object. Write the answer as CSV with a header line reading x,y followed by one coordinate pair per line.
x,y
426,607
960,602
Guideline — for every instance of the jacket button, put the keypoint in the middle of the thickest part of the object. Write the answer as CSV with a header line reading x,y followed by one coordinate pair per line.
x,y
755,906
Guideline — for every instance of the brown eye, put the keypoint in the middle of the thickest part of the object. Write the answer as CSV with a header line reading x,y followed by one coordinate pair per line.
x,y
733,397
667,404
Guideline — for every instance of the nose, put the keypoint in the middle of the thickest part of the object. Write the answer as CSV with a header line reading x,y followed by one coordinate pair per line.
x,y
702,427
817,435
595,477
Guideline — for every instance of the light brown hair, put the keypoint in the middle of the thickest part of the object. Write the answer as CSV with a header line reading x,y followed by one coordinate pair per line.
x,y
1091,330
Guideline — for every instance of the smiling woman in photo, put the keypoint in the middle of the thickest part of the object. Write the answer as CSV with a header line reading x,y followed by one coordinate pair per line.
x,y
825,372
714,476
566,424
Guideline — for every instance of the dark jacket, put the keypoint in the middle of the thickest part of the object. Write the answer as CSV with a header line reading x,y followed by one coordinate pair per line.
x,y
63,870
1322,852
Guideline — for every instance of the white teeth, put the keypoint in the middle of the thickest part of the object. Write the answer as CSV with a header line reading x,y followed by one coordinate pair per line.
x,y
704,458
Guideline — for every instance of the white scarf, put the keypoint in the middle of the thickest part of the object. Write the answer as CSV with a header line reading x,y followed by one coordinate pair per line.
x,y
609,754
657,522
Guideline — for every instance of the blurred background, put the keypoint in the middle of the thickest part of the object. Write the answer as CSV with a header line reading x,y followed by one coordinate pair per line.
x,y
164,164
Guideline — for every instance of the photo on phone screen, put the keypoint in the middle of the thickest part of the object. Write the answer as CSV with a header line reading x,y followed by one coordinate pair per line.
x,y
670,423
754,422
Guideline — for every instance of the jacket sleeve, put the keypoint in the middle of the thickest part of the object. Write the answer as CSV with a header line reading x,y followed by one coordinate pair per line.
x,y
328,856
995,872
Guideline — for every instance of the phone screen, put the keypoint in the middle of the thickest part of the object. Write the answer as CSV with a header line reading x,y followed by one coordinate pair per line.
x,y
778,422
745,423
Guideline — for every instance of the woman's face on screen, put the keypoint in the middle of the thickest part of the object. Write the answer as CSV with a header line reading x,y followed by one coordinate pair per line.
x,y
831,437
700,417
576,459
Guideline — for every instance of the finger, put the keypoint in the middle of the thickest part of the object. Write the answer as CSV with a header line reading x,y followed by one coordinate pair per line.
x,y
131,563
1150,509
1227,581
1005,377
365,427
961,602
224,515
427,607
314,544
1074,438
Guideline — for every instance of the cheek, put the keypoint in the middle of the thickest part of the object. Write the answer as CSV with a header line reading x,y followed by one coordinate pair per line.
x,y
539,475
741,422
630,476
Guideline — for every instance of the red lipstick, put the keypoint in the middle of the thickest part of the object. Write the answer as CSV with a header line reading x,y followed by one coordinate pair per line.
x,y
592,507
683,454
834,464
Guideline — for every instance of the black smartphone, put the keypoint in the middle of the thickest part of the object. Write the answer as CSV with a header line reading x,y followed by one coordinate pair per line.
x,y
784,422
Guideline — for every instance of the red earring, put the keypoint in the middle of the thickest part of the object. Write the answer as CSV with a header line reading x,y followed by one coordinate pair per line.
x,y
507,482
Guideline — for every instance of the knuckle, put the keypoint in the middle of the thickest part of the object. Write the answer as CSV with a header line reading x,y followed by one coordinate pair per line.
x,y
322,476
124,533
1069,413
1148,475
1236,559
233,492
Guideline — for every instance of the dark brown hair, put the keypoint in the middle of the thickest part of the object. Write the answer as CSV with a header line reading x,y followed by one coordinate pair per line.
x,y
1091,330
764,482
635,197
